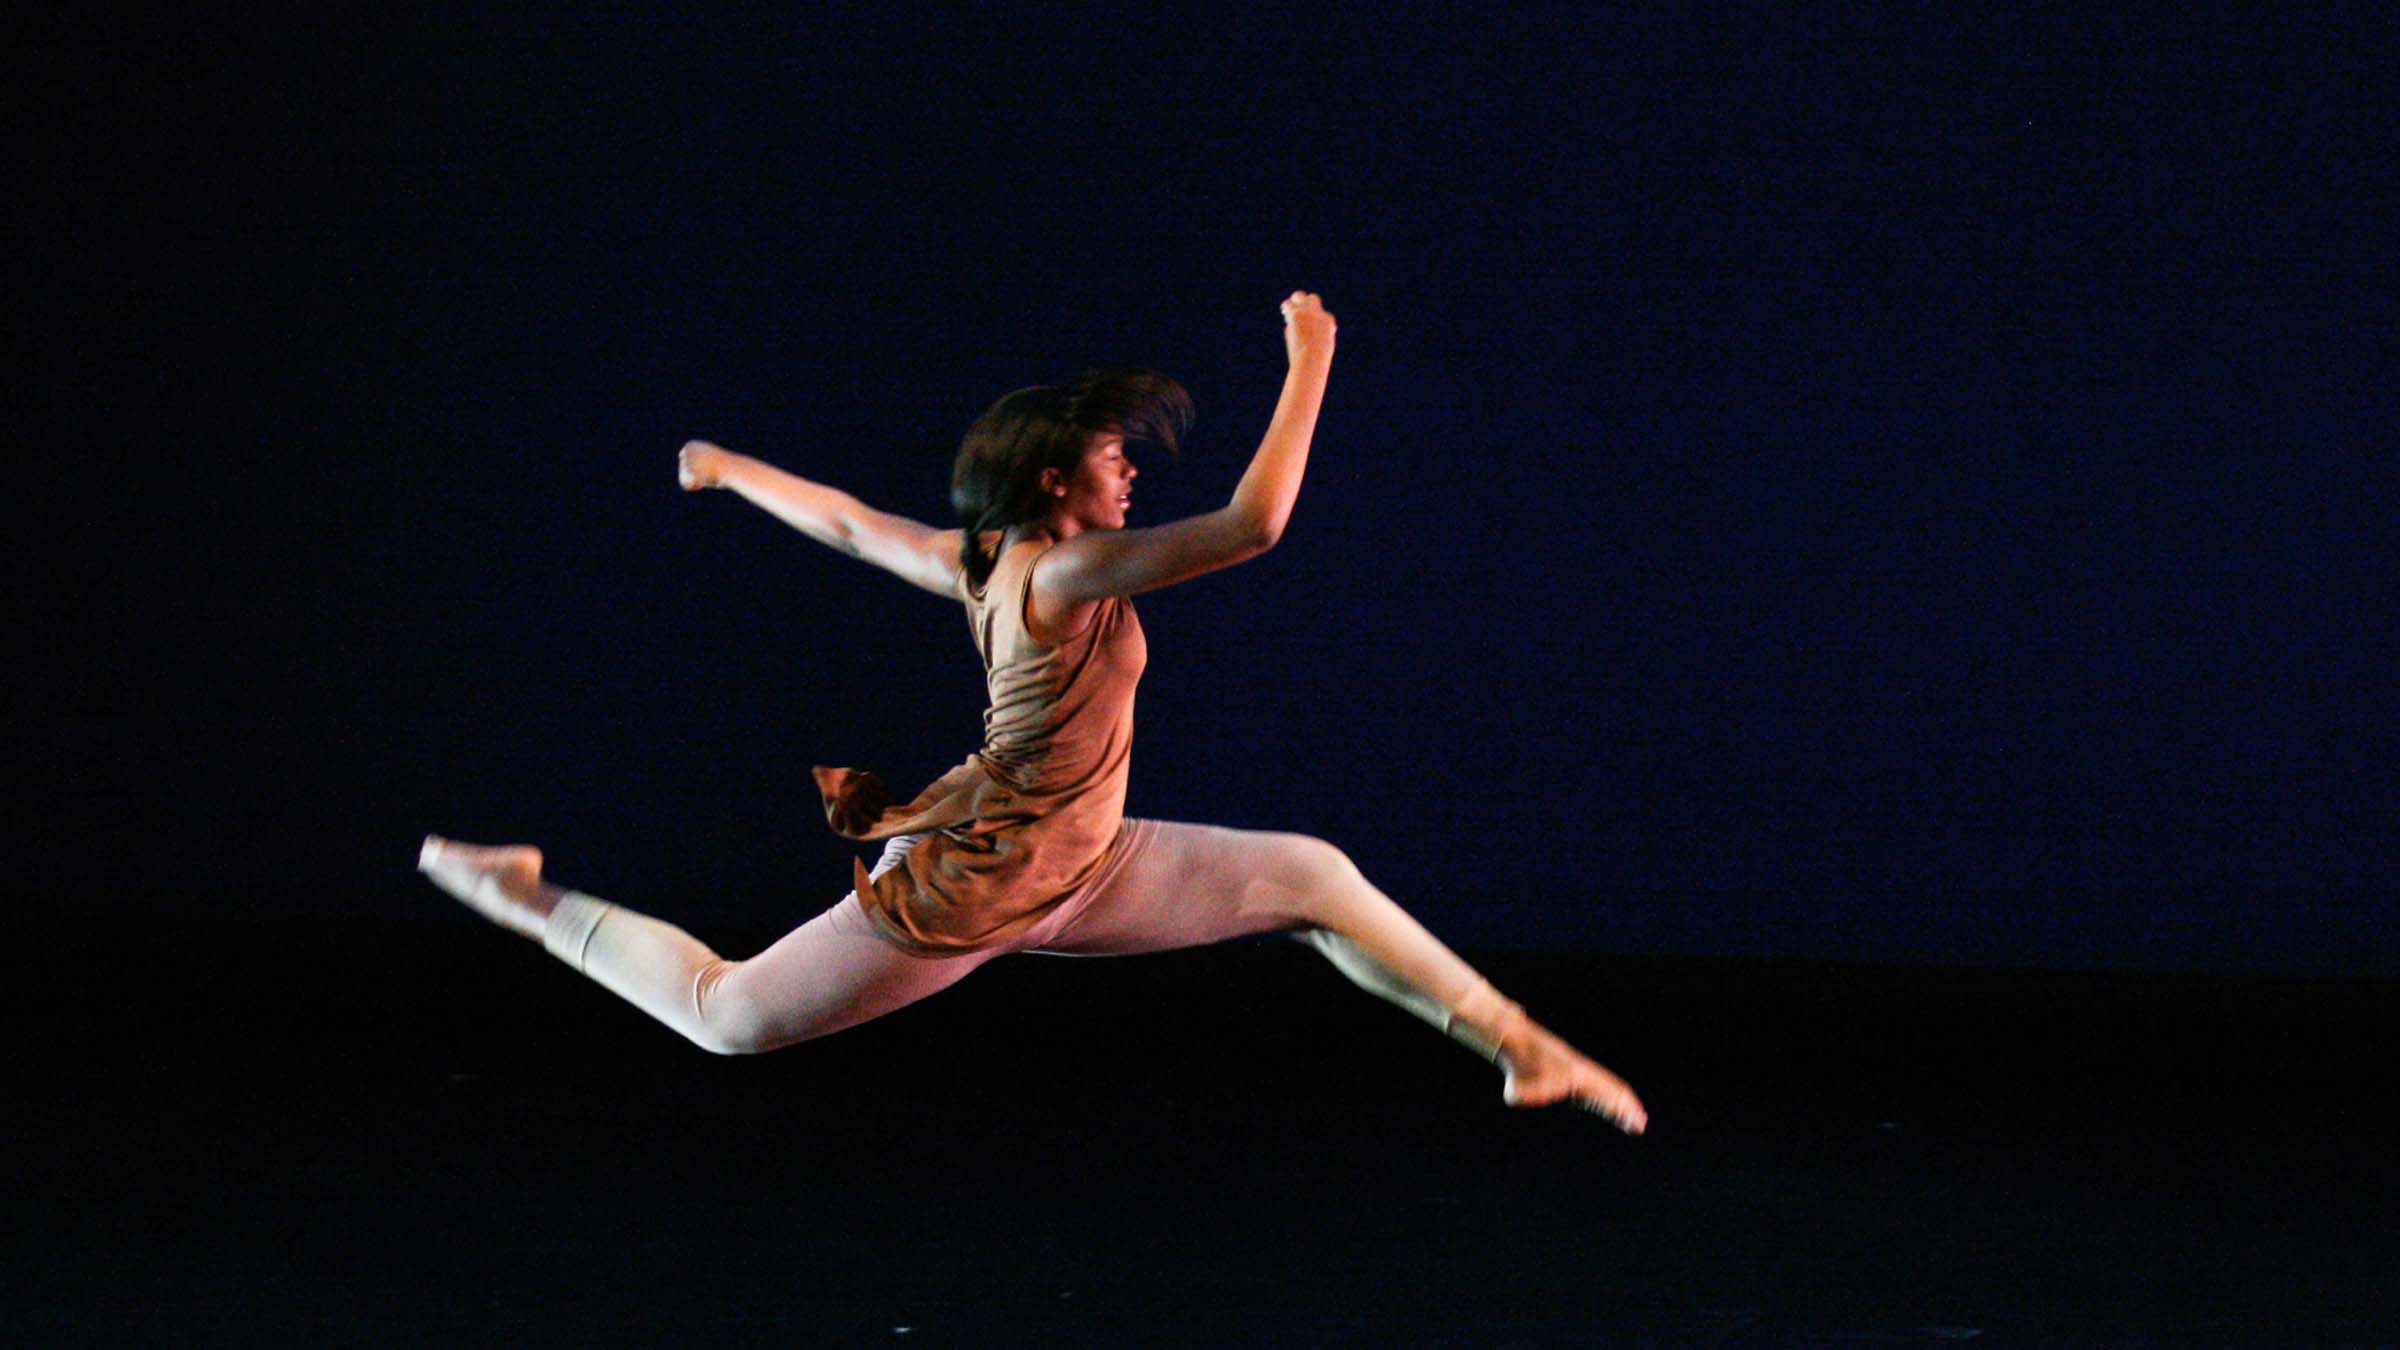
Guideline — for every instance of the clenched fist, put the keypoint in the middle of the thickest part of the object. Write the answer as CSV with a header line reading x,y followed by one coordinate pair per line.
x,y
1307,327
701,464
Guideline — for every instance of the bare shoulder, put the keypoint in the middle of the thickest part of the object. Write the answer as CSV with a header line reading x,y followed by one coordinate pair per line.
x,y
948,546
1097,564
1054,613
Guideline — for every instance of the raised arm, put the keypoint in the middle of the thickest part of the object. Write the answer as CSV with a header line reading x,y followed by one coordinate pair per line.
x,y
1100,563
913,552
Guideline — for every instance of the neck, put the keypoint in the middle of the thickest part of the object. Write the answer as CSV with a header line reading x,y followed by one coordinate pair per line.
x,y
1049,531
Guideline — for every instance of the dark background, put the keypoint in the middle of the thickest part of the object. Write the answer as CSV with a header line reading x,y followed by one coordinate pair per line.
x,y
1847,565
1903,487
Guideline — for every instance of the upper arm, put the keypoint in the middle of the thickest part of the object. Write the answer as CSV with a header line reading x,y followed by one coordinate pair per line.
x,y
914,552
1100,563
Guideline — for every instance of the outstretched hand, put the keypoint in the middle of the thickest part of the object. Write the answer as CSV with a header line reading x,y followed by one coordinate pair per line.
x,y
1307,327
701,464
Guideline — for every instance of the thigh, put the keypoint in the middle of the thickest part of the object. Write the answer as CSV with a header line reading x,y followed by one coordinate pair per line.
x,y
1189,885
834,971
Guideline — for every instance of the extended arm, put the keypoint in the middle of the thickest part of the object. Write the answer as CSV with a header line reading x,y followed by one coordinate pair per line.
x,y
914,552
1097,564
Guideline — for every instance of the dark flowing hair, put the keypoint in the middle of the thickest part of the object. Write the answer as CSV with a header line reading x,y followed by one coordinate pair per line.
x,y
997,481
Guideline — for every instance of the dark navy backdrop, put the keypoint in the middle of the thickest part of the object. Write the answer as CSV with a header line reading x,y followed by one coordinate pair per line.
x,y
1898,488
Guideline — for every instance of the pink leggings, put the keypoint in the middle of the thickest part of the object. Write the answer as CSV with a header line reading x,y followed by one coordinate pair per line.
x,y
1173,886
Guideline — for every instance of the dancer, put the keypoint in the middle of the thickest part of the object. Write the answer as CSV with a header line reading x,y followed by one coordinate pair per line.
x,y
1025,846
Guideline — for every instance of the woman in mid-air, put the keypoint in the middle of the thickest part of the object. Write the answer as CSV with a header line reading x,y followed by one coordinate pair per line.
x,y
1025,846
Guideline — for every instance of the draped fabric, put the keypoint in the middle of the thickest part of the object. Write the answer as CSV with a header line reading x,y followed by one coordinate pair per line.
x,y
1034,817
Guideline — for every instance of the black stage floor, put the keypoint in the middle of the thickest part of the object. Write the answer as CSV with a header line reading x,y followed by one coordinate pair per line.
x,y
429,1134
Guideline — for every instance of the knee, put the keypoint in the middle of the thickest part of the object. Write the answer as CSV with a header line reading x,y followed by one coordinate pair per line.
x,y
736,1039
1308,874
1314,862
724,1021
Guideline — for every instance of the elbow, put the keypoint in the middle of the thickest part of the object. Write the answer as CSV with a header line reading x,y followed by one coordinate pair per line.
x,y
845,538
1260,533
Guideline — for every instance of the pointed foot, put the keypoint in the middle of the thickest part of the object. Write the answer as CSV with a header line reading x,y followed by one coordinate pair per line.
x,y
503,884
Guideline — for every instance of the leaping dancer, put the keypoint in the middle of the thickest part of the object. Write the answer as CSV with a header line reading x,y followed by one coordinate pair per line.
x,y
1025,846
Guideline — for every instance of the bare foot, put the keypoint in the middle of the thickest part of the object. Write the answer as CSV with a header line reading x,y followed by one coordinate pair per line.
x,y
1543,1070
503,884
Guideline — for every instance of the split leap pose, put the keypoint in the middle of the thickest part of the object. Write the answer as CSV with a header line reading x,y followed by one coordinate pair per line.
x,y
1025,846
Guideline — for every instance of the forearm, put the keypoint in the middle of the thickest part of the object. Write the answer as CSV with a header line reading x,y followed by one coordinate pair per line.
x,y
1271,485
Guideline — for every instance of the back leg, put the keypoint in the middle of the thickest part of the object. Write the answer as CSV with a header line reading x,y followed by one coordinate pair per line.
x,y
832,972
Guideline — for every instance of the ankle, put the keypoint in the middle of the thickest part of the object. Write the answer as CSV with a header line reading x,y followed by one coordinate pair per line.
x,y
1487,1021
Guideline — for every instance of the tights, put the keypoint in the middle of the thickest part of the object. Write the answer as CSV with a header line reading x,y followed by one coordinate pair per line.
x,y
1173,886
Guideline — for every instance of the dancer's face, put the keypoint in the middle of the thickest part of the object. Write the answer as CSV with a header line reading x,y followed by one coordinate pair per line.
x,y
1099,491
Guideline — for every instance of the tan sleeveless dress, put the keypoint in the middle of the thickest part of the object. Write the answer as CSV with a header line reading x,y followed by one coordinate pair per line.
x,y
1035,817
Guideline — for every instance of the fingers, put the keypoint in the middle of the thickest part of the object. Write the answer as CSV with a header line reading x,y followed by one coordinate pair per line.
x,y
690,471
1307,327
